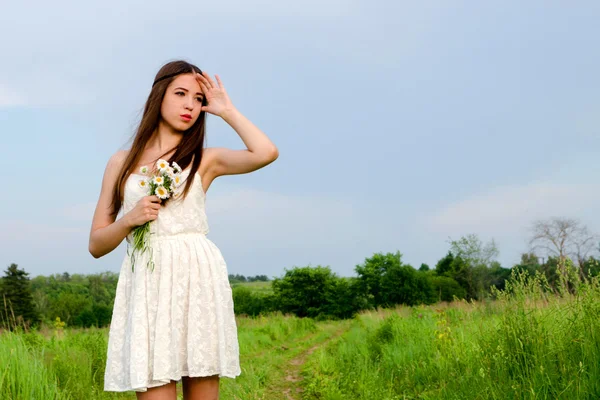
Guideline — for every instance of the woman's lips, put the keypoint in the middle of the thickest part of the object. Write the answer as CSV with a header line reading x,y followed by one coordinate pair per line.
x,y
186,117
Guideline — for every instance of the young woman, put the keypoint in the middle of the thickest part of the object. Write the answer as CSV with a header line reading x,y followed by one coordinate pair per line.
x,y
173,321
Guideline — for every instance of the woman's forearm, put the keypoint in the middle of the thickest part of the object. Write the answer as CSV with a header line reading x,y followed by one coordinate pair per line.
x,y
106,239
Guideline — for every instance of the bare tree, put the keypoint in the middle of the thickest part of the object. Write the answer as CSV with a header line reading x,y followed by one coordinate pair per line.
x,y
563,237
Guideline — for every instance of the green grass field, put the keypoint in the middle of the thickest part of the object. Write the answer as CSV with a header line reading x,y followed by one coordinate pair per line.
x,y
261,287
525,345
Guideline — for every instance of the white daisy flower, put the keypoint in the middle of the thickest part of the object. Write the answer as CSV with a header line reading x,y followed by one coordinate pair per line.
x,y
144,170
177,180
162,193
159,180
143,183
162,165
170,172
177,167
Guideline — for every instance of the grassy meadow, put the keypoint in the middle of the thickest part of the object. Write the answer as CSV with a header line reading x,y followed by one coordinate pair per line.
x,y
526,344
257,287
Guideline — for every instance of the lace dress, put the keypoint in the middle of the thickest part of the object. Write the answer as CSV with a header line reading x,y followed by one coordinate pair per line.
x,y
176,320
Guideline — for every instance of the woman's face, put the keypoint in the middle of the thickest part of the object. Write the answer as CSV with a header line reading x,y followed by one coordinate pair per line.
x,y
182,102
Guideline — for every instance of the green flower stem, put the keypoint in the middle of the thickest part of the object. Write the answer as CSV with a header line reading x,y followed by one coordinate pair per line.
x,y
140,233
140,243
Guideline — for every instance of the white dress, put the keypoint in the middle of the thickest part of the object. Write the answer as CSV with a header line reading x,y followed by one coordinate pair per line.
x,y
176,320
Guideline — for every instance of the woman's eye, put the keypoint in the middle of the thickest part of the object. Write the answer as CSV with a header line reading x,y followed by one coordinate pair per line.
x,y
179,93
199,99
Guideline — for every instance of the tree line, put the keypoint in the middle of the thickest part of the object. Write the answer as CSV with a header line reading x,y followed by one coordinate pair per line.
x,y
237,278
469,270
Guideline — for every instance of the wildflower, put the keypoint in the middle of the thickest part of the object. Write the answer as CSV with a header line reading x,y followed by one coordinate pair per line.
x,y
163,186
162,193
177,180
162,165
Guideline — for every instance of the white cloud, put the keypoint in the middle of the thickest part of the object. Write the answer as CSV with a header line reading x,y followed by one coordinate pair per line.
x,y
9,98
258,232
265,232
86,51
45,248
505,209
42,247
36,234
274,219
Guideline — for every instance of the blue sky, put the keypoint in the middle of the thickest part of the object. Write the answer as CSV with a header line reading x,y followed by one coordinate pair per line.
x,y
399,124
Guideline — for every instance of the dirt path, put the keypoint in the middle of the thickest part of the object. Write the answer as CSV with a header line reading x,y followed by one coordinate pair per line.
x,y
291,387
287,346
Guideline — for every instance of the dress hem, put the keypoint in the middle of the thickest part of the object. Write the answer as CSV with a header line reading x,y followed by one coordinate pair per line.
x,y
163,381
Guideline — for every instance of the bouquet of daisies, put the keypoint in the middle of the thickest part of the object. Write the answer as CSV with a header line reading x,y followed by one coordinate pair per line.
x,y
163,185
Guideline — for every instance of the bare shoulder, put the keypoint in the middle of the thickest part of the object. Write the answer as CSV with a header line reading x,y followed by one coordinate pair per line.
x,y
117,159
113,166
103,215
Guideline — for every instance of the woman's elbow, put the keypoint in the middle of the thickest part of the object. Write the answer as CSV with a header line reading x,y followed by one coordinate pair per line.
x,y
94,251
273,154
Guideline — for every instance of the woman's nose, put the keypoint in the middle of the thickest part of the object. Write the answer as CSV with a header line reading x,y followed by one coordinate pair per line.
x,y
189,104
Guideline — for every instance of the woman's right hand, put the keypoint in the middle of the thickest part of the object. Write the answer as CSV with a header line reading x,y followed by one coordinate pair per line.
x,y
145,210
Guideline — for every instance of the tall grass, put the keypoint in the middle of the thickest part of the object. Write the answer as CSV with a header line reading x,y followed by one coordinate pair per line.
x,y
55,365
532,343
69,364
23,375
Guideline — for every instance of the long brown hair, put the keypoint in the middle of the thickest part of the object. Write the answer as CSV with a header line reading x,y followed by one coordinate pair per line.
x,y
190,148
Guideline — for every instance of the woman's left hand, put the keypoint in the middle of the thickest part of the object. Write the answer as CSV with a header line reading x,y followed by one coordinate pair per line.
x,y
216,96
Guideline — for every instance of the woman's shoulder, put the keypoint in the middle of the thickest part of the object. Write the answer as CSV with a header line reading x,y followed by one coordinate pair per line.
x,y
116,161
118,158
